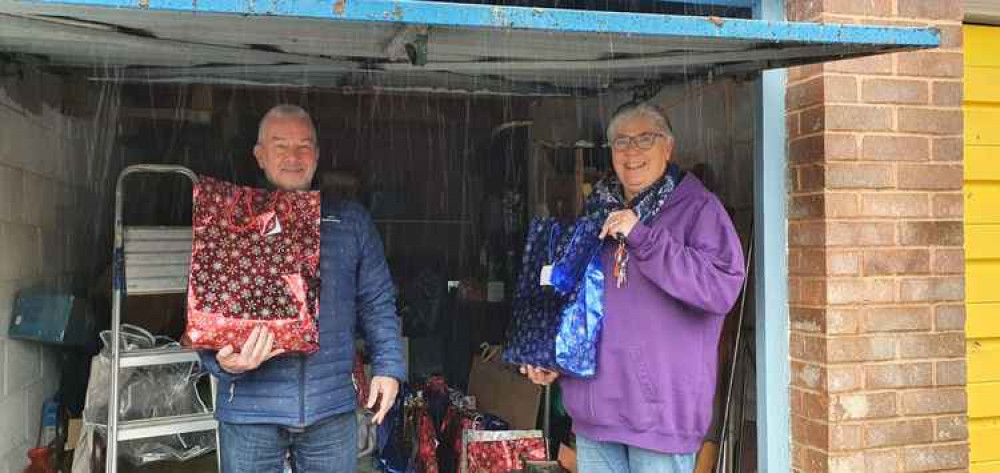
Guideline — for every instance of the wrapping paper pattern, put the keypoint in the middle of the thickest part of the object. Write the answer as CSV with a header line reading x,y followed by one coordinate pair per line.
x,y
501,451
254,261
427,444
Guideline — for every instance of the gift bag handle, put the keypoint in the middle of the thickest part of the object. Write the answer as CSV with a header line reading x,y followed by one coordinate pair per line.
x,y
555,231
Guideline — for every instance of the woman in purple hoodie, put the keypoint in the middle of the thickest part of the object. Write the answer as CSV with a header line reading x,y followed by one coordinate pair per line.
x,y
673,268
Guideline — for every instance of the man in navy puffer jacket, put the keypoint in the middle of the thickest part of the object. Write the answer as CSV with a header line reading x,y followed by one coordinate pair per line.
x,y
304,405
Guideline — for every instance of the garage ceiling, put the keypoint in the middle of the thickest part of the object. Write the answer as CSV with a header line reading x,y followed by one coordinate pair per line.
x,y
416,44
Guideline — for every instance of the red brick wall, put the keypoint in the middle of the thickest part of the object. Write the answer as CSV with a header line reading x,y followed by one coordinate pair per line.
x,y
875,249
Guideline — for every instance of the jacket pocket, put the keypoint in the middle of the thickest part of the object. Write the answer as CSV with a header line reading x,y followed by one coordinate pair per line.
x,y
625,395
577,397
643,377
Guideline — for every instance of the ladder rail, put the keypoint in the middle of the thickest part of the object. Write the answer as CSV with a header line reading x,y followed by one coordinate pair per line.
x,y
118,293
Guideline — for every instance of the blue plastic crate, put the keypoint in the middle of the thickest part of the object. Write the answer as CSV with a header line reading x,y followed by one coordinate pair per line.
x,y
50,317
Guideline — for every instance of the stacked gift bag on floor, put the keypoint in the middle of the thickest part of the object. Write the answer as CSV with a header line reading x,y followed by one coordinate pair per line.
x,y
437,429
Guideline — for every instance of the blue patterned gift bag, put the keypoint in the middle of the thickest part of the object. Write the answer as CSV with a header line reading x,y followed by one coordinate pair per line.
x,y
580,324
578,274
558,327
536,308
574,255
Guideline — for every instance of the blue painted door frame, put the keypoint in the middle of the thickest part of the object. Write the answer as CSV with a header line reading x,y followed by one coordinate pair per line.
x,y
771,263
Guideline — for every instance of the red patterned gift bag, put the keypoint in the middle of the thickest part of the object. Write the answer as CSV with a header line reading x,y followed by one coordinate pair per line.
x,y
360,378
425,457
500,451
254,262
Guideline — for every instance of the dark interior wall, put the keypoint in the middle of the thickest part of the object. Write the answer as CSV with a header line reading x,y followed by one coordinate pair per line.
x,y
424,160
692,7
431,166
713,122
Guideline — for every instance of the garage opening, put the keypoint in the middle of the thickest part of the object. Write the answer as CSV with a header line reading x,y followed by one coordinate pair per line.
x,y
452,137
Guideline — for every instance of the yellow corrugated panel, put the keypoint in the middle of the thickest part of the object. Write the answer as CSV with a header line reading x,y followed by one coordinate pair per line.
x,y
982,202
982,163
981,122
982,241
985,467
982,281
981,321
981,44
983,363
981,84
983,400
984,437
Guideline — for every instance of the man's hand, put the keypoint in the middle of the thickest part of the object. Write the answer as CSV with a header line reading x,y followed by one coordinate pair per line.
x,y
257,349
540,376
384,390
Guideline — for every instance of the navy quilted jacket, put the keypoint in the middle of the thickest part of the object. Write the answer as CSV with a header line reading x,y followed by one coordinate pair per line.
x,y
356,294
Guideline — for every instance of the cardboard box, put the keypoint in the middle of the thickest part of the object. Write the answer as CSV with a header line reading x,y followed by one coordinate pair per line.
x,y
502,391
73,433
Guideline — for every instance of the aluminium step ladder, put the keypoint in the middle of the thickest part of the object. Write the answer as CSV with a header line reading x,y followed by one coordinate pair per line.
x,y
148,260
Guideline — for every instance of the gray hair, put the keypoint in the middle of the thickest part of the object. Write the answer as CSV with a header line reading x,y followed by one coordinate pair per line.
x,y
640,109
284,111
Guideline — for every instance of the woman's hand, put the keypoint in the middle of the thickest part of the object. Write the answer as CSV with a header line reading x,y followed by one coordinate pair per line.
x,y
619,222
540,376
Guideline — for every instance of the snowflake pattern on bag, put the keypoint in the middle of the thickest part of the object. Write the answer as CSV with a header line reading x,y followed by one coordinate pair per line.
x,y
536,308
576,254
558,326
254,261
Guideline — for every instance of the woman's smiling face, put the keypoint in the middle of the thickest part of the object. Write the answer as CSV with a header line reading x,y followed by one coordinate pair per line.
x,y
638,168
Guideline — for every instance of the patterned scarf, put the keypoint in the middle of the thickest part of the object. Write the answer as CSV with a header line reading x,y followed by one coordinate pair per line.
x,y
609,196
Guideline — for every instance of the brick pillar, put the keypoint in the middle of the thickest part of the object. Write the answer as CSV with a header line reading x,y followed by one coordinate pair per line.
x,y
875,250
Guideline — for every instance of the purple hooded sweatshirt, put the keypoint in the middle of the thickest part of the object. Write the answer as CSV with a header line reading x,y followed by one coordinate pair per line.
x,y
657,357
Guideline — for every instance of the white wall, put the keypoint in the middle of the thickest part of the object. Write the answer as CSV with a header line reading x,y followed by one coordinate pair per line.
x,y
44,202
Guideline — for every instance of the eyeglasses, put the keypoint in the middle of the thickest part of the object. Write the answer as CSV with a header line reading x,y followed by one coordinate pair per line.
x,y
644,141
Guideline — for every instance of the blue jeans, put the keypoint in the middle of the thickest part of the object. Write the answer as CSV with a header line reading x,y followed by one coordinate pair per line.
x,y
328,446
609,457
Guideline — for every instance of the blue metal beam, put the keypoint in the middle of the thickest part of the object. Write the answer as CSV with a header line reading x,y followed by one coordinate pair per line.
x,y
541,19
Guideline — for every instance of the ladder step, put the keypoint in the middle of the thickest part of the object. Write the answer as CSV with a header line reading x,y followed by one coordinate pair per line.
x,y
180,258
157,233
158,356
157,260
160,426
156,285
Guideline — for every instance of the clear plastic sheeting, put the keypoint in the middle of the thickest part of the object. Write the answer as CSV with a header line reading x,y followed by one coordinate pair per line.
x,y
147,392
